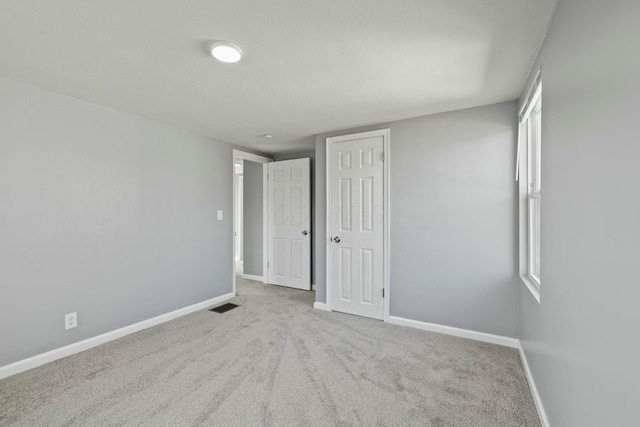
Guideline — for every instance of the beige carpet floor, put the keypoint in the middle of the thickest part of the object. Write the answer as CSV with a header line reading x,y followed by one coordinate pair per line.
x,y
275,361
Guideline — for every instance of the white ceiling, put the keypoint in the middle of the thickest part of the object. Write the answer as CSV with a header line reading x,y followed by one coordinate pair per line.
x,y
310,66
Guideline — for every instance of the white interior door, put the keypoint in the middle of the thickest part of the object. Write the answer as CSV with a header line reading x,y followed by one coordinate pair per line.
x,y
289,224
356,225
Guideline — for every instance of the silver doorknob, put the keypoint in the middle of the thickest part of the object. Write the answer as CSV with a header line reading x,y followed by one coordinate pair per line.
x,y
305,232
336,239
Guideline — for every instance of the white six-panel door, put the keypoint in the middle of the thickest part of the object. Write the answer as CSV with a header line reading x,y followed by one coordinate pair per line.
x,y
289,232
356,225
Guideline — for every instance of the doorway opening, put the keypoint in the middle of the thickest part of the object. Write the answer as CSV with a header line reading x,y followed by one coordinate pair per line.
x,y
272,220
249,216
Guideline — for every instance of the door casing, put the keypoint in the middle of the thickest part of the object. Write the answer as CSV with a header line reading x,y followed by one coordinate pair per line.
x,y
386,135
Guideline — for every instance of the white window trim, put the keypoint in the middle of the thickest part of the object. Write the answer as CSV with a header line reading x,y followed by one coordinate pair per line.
x,y
532,286
525,194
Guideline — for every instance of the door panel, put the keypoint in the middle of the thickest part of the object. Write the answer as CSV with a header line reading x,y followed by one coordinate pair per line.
x,y
289,218
356,226
366,275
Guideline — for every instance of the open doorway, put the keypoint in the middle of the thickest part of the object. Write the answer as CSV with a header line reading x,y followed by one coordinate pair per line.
x,y
249,216
272,217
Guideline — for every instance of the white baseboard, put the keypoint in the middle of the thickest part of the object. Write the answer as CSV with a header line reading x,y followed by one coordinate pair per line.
x,y
320,306
313,287
59,353
252,277
534,390
450,330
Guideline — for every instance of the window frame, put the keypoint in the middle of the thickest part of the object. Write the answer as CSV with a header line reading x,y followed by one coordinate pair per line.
x,y
534,192
530,161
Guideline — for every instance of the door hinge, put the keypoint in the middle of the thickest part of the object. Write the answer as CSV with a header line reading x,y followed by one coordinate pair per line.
x,y
382,156
382,292
267,264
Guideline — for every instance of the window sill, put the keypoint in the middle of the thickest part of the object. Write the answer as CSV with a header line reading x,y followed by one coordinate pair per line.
x,y
535,291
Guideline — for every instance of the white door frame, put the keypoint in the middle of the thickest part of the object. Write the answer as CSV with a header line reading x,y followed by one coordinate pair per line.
x,y
238,216
237,154
386,135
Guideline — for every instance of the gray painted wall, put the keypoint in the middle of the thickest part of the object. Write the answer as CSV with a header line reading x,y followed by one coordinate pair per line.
x,y
581,341
311,155
106,214
252,218
453,218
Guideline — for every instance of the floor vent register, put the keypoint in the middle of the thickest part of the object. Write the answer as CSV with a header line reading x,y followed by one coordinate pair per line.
x,y
224,308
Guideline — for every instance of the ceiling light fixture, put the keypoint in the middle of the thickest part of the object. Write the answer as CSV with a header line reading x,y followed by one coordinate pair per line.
x,y
267,135
225,51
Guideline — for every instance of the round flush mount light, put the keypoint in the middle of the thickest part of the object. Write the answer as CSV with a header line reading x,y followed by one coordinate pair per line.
x,y
267,135
225,51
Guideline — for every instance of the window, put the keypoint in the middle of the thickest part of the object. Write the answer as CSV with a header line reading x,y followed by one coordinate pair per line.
x,y
529,175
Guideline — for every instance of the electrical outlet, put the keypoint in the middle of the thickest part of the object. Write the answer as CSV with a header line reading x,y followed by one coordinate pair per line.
x,y
70,320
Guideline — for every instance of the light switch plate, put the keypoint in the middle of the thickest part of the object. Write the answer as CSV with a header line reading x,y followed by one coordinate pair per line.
x,y
219,215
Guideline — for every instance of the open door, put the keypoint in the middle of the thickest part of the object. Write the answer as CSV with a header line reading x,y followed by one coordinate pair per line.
x,y
289,232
